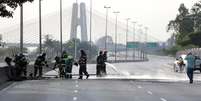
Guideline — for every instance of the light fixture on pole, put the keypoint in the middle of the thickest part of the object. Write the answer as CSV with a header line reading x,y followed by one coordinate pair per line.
x,y
127,37
106,25
116,13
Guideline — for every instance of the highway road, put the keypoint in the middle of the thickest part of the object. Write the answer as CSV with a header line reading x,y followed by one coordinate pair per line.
x,y
100,90
144,81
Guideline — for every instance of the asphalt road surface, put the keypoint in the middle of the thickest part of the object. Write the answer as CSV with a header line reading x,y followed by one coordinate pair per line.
x,y
143,81
100,90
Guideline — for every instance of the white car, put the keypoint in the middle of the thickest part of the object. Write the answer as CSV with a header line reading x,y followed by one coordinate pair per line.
x,y
176,63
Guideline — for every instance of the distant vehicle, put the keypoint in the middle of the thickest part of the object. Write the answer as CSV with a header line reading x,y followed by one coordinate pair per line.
x,y
178,67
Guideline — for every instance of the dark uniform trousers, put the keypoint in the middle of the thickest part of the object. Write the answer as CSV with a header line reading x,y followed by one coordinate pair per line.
x,y
38,68
83,69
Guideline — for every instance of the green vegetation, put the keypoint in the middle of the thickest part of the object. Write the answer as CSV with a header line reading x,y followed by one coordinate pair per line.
x,y
7,7
52,47
187,26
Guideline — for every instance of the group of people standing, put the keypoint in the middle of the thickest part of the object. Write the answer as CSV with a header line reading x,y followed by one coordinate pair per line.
x,y
18,71
64,63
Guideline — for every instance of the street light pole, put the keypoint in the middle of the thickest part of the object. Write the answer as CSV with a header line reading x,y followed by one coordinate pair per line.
x,y
117,12
140,44
61,34
127,37
134,40
107,8
21,28
146,41
40,29
90,27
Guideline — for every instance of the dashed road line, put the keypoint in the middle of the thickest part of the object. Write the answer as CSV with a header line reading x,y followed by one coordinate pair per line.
x,y
76,86
149,92
162,99
139,86
74,98
75,91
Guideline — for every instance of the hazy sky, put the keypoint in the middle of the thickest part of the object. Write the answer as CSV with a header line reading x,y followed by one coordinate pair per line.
x,y
155,14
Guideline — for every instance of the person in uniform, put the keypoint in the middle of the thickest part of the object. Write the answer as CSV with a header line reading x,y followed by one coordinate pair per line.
x,y
39,63
105,60
83,65
100,64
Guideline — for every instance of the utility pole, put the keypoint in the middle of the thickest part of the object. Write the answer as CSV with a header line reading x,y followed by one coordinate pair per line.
x,y
146,42
40,29
117,12
21,28
106,26
127,38
140,43
134,40
61,34
90,27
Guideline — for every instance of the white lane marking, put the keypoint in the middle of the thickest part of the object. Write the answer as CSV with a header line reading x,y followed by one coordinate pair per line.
x,y
76,86
139,86
162,99
74,98
75,91
149,92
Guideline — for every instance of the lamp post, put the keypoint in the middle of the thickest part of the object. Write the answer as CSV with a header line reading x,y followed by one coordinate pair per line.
x,y
146,41
21,28
40,29
115,48
127,37
61,34
140,44
90,31
106,25
134,40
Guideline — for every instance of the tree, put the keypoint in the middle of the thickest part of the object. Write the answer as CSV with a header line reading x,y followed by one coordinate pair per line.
x,y
183,22
182,25
7,7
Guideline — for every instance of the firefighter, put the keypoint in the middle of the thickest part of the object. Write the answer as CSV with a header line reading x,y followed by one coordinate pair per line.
x,y
39,63
83,65
100,64
105,60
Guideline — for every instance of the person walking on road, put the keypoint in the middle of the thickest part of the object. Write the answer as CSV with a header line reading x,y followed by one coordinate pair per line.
x,y
83,65
100,64
190,66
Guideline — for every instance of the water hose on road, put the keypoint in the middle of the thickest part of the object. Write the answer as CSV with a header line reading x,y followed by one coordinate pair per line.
x,y
116,70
